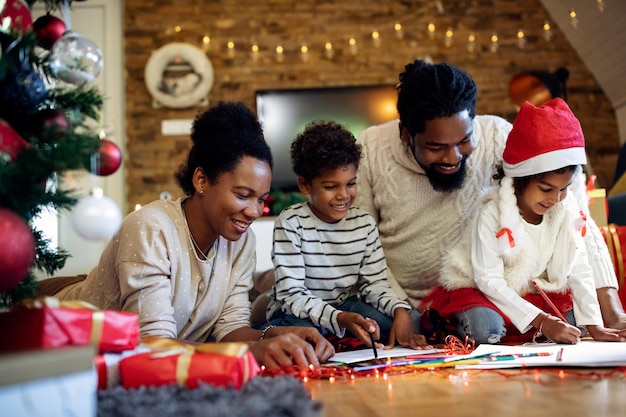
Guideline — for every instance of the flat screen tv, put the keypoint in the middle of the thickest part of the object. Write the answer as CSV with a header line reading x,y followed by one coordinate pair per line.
x,y
284,114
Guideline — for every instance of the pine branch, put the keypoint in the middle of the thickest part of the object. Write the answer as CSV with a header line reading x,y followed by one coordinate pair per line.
x,y
46,259
26,289
29,177
84,101
51,5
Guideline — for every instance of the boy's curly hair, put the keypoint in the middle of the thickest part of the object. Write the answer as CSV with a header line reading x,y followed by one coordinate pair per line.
x,y
323,146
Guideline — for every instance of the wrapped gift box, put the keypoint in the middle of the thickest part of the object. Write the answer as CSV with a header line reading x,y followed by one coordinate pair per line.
x,y
615,237
598,206
48,382
39,325
219,364
107,366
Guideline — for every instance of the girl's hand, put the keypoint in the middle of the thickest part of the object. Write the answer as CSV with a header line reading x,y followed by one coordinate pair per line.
x,y
560,332
361,327
606,335
403,332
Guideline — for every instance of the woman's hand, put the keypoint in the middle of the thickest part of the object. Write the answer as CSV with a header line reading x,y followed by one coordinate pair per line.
x,y
284,346
606,335
403,332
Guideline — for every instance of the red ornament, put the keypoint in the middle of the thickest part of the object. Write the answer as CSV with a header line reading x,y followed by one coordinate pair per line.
x,y
109,158
49,29
53,119
11,143
15,17
17,250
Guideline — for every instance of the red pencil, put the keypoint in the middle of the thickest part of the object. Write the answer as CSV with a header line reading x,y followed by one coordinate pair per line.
x,y
541,292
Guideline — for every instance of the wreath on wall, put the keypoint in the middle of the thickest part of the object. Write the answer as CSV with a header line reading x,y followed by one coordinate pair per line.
x,y
179,75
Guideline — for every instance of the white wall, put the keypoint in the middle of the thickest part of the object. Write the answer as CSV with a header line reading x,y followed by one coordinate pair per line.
x,y
263,229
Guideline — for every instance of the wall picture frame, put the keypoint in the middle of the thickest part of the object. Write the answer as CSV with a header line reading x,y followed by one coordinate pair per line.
x,y
179,75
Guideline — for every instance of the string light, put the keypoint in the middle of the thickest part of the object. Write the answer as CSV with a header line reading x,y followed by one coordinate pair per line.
x,y
449,35
304,53
352,46
328,50
343,373
495,43
178,29
573,19
280,54
230,49
254,52
397,28
601,5
353,49
376,39
471,42
547,31
521,39
431,30
206,42
452,346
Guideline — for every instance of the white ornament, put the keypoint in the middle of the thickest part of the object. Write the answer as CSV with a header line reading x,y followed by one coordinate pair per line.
x,y
75,59
96,217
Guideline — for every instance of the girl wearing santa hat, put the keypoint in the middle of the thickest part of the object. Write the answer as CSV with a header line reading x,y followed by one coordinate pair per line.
x,y
522,270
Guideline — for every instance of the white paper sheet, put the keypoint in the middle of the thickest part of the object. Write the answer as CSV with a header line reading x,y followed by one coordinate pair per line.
x,y
362,355
584,354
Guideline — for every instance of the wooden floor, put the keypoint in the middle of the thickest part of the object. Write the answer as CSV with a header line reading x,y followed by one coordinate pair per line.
x,y
448,393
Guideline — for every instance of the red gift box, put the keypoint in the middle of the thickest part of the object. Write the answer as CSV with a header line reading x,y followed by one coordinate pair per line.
x,y
107,366
219,364
41,324
615,237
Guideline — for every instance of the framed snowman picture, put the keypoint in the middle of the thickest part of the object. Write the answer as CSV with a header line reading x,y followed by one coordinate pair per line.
x,y
179,76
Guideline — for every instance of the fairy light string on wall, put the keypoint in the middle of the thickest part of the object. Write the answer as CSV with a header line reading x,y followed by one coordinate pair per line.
x,y
393,31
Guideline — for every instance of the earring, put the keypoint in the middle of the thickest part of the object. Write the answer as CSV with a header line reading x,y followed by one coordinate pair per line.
x,y
201,192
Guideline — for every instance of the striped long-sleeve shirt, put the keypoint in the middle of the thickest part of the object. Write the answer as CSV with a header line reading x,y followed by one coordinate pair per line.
x,y
319,265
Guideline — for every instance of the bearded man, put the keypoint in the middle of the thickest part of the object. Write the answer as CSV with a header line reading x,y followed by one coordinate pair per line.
x,y
421,177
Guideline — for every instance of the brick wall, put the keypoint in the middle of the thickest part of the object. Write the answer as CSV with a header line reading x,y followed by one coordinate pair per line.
x,y
151,158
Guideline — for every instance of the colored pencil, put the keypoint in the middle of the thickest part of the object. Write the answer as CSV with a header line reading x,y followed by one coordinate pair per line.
x,y
545,297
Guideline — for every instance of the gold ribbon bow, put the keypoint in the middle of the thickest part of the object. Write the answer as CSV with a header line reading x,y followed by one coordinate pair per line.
x,y
165,347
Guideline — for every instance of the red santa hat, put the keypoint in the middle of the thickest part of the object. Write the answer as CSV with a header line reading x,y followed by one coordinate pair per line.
x,y
543,138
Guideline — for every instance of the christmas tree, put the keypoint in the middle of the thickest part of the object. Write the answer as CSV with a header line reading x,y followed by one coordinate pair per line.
x,y
48,125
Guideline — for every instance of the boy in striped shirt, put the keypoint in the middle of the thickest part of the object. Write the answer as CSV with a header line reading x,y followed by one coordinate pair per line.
x,y
330,270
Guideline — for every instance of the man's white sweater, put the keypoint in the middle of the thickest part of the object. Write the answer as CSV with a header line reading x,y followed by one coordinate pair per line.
x,y
417,224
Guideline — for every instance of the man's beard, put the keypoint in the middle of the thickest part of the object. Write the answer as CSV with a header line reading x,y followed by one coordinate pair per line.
x,y
446,182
